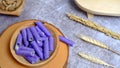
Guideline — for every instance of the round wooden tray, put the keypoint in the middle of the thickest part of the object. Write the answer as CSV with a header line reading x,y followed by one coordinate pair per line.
x,y
100,7
20,58
7,60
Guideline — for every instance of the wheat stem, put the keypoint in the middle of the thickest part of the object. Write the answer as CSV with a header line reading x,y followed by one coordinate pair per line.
x,y
94,26
94,60
97,43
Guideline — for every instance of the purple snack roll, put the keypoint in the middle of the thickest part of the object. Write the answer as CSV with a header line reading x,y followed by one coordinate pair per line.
x,y
27,49
30,46
36,35
40,49
51,43
41,33
65,40
24,36
37,50
32,59
25,53
18,41
43,28
29,34
46,49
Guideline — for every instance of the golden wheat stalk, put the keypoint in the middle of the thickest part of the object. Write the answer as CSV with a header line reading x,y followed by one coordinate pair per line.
x,y
94,26
97,43
94,60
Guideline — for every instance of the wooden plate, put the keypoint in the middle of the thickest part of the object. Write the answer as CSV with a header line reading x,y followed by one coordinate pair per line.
x,y
20,58
17,12
100,7
7,60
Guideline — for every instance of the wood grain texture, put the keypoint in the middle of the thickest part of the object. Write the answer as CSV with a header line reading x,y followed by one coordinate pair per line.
x,y
100,7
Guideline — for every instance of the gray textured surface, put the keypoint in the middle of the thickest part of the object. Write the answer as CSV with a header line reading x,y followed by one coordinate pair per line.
x,y
54,11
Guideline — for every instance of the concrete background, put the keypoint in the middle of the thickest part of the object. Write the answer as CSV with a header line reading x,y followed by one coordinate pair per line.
x,y
54,11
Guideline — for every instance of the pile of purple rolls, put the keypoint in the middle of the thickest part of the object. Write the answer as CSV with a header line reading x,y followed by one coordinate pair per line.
x,y
34,43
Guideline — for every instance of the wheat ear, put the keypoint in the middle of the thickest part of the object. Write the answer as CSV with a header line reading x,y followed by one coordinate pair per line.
x,y
97,43
94,26
94,60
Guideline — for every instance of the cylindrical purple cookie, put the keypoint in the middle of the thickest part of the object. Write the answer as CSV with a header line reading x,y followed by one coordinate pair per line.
x,y
46,49
32,59
65,40
36,35
36,48
41,49
29,35
51,43
43,28
41,33
25,53
18,41
39,43
27,49
24,36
